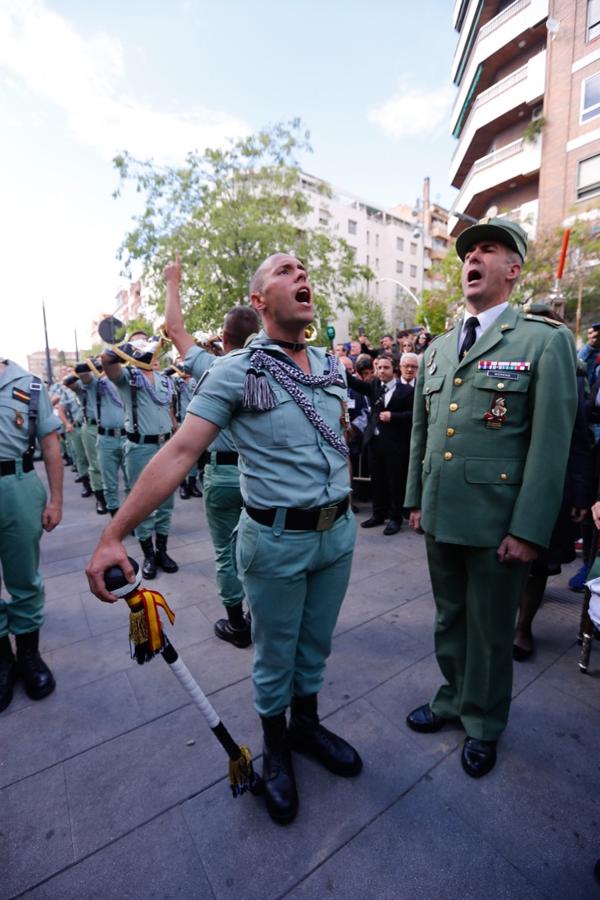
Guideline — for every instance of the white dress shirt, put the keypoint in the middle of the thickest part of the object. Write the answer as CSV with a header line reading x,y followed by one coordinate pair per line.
x,y
486,318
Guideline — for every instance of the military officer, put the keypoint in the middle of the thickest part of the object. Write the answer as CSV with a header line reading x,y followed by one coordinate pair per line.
x,y
492,396
85,389
147,397
284,404
25,417
222,495
103,397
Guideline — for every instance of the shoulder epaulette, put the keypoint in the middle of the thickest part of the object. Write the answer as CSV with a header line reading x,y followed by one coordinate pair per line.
x,y
530,317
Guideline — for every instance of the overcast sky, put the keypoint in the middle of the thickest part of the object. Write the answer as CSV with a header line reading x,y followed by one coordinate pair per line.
x,y
80,81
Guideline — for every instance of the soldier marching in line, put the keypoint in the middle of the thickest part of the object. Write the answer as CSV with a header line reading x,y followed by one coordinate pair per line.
x,y
89,430
183,391
26,416
147,398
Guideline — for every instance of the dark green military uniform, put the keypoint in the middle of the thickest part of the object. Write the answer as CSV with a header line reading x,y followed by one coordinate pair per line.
x,y
489,446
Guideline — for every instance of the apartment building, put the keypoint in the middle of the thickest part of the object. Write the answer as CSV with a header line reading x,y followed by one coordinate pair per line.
x,y
527,110
392,242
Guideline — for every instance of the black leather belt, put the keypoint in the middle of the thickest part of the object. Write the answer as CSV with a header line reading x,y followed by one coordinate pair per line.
x,y
319,518
9,466
224,458
136,438
111,432
91,421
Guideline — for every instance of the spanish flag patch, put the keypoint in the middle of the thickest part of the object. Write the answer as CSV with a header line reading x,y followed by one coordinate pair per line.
x,y
23,396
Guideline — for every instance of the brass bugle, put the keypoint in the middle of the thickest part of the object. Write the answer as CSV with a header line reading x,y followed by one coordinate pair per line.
x,y
310,333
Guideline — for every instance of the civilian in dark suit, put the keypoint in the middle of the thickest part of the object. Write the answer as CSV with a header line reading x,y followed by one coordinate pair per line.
x,y
388,438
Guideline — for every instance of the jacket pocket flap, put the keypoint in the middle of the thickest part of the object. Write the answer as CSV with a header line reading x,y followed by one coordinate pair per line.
x,y
434,383
494,471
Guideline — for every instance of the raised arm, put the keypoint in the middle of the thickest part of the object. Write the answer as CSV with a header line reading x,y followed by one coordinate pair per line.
x,y
174,324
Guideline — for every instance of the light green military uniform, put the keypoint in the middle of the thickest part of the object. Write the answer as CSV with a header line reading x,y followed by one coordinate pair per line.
x,y
154,421
89,433
475,484
222,496
72,407
184,390
295,581
22,502
104,400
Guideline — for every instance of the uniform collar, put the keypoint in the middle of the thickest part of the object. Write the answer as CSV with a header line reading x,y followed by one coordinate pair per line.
x,y
12,372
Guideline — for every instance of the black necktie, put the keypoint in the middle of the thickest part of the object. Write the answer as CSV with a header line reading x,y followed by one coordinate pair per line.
x,y
470,337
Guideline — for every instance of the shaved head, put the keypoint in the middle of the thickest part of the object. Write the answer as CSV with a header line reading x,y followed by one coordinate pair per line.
x,y
257,279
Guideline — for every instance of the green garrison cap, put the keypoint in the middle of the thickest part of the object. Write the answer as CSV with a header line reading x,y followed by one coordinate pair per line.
x,y
502,230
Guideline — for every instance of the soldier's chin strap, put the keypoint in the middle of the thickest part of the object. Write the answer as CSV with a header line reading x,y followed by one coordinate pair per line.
x,y
35,389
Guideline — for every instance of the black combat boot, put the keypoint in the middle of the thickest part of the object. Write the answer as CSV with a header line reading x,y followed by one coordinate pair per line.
x,y
184,491
149,564
235,629
37,677
67,460
307,735
100,503
281,795
86,490
162,557
8,672
193,486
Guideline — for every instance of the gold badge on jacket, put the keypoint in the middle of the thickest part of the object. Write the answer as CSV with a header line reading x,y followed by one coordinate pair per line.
x,y
497,414
19,420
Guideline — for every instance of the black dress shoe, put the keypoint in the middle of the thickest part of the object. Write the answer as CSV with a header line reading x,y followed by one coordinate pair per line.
x,y
392,527
372,522
520,654
8,672
478,757
307,735
423,719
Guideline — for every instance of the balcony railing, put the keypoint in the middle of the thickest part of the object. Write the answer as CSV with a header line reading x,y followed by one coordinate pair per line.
x,y
498,155
505,84
502,17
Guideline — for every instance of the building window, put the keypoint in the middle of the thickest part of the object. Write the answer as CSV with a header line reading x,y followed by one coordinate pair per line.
x,y
398,292
400,244
368,237
590,98
376,262
399,266
368,260
413,248
377,240
593,19
588,177
413,271
351,226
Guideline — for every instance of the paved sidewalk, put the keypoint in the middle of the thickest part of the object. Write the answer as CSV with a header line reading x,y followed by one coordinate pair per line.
x,y
114,786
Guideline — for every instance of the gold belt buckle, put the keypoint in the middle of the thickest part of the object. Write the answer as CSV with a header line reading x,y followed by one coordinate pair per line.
x,y
161,439
326,517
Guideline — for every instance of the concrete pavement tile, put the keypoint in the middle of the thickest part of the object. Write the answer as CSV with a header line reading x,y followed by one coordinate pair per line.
x,y
157,861
125,782
540,805
64,623
70,720
59,586
214,665
566,676
422,850
332,810
104,617
36,817
68,566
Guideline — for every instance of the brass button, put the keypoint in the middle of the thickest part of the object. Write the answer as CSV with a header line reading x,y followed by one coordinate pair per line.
x,y
458,381
453,407
503,476
450,432
500,385
448,456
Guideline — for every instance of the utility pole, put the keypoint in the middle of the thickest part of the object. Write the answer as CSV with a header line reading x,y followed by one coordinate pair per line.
x,y
76,347
49,376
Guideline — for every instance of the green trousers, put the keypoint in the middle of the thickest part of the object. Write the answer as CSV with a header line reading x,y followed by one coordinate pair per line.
x,y
476,600
89,436
78,454
295,582
223,505
22,502
137,456
111,459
